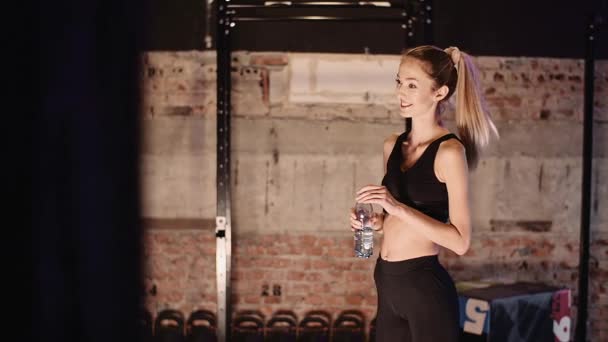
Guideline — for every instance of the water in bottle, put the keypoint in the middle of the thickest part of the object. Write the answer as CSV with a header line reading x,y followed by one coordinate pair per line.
x,y
364,237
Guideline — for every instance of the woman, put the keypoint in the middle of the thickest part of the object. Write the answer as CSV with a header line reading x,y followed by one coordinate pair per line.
x,y
425,196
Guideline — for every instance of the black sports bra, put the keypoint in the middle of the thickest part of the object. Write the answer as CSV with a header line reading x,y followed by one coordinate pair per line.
x,y
418,187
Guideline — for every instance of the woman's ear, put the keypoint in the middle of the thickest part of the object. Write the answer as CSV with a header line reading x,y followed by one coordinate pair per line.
x,y
441,93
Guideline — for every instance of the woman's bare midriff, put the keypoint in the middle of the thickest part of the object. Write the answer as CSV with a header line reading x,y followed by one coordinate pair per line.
x,y
400,243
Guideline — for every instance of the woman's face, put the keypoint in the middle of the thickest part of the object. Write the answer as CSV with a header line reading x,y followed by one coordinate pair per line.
x,y
414,89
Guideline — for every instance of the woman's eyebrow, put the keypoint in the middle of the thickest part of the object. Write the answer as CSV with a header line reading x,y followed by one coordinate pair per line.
x,y
409,78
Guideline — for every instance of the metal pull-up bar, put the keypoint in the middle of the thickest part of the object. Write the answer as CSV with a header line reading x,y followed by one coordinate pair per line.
x,y
324,4
410,13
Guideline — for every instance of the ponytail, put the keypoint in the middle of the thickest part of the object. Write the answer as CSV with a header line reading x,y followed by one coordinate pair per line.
x,y
472,119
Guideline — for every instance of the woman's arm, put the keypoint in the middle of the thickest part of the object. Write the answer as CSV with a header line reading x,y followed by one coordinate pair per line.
x,y
387,147
453,170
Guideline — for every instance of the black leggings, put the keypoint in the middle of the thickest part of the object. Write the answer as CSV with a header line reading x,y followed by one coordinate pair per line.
x,y
417,301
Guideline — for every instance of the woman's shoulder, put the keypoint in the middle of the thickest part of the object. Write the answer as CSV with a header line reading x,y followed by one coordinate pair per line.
x,y
451,143
389,142
451,154
391,139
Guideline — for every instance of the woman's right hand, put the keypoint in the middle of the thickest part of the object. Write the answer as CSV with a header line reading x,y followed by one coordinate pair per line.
x,y
377,221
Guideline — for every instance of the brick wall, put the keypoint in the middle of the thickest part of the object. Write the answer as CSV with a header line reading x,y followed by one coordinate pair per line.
x,y
308,131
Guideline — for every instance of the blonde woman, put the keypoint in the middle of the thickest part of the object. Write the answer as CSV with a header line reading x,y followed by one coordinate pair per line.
x,y
425,195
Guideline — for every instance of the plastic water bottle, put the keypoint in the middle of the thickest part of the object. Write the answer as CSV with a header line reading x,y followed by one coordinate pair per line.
x,y
364,237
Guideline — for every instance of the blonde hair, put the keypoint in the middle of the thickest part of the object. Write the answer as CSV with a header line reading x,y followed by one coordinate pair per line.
x,y
456,70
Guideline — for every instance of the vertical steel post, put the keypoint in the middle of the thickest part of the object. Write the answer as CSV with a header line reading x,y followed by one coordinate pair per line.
x,y
583,266
223,231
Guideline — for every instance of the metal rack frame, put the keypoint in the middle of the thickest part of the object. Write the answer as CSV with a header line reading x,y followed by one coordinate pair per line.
x,y
412,14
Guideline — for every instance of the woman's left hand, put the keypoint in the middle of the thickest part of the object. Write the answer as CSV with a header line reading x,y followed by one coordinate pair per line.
x,y
378,194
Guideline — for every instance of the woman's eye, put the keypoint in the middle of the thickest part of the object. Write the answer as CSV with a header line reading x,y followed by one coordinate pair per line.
x,y
398,82
411,86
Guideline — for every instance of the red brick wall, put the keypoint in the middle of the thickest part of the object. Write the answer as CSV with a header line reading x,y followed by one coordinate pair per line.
x,y
313,272
319,272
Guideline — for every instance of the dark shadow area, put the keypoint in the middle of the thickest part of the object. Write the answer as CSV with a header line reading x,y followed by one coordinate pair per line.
x,y
541,28
84,157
